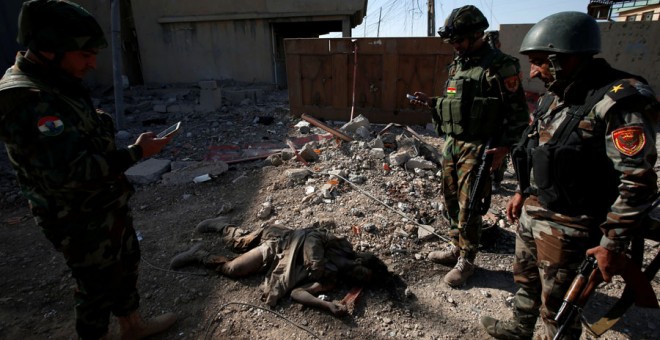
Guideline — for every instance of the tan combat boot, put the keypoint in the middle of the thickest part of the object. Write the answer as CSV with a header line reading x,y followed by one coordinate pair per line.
x,y
461,272
514,329
191,256
133,327
447,257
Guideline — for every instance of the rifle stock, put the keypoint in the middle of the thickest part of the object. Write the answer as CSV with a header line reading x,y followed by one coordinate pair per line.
x,y
578,293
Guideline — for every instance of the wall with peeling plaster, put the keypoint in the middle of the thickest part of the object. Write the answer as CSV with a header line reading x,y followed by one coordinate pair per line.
x,y
631,46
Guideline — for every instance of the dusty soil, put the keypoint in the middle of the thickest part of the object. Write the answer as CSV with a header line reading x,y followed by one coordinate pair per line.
x,y
36,288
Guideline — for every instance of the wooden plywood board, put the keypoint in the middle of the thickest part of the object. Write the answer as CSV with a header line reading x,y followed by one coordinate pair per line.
x,y
320,75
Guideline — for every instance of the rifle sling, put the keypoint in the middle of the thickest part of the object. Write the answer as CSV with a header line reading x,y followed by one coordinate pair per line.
x,y
610,318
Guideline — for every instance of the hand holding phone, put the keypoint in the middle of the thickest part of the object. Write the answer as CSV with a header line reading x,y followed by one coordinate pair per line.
x,y
169,131
411,97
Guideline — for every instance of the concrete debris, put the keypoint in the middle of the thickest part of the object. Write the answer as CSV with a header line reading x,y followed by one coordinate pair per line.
x,y
358,122
189,173
148,171
297,174
265,211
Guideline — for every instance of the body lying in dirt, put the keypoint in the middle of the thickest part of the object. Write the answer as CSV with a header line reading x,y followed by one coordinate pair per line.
x,y
300,262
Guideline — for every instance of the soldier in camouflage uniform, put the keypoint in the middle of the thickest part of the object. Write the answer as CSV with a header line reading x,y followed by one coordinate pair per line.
x,y
69,168
483,109
493,39
585,171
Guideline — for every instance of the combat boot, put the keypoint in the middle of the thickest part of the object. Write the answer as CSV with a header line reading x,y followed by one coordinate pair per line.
x,y
448,257
515,329
191,256
133,327
461,272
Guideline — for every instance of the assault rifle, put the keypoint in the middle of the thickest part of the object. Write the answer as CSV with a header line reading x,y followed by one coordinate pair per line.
x,y
586,281
588,277
483,173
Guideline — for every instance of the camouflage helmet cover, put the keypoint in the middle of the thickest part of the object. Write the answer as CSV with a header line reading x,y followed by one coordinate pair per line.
x,y
463,21
563,32
58,26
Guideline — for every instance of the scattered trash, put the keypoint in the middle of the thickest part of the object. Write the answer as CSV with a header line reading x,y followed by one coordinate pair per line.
x,y
202,178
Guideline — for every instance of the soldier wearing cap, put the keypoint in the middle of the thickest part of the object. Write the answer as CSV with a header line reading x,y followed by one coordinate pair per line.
x,y
585,169
482,109
69,167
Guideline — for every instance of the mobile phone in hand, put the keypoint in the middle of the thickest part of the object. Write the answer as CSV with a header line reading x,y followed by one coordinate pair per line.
x,y
411,97
169,131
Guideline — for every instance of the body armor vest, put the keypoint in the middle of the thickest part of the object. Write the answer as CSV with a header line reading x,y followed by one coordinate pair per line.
x,y
466,110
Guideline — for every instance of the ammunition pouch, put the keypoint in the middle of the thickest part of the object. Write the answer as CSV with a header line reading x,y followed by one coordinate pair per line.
x,y
466,115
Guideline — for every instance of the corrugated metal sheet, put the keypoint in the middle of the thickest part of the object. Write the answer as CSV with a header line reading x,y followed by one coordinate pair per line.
x,y
320,76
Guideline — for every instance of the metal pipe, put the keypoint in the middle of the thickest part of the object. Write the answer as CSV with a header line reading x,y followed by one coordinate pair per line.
x,y
322,126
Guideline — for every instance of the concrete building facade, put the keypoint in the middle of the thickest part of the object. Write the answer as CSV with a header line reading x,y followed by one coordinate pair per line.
x,y
178,41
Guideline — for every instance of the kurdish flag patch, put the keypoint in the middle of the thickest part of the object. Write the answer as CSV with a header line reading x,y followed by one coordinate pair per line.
x,y
50,126
451,91
629,140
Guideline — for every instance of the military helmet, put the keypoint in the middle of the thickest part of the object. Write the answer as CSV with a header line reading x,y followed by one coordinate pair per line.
x,y
58,26
463,21
563,32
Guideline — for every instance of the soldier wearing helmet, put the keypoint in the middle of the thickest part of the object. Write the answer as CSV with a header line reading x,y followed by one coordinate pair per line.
x,y
585,169
482,111
69,167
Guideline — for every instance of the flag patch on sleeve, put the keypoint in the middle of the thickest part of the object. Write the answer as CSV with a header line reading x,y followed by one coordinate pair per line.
x,y
50,126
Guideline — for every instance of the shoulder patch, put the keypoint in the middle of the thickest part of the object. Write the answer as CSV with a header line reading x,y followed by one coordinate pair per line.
x,y
621,90
50,126
629,140
512,83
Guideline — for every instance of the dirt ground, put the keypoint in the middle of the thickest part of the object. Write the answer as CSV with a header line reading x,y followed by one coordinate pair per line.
x,y
380,212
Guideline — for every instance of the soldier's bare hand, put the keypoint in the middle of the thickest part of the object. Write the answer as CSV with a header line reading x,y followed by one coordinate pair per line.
x,y
422,99
150,144
338,309
610,263
514,207
498,154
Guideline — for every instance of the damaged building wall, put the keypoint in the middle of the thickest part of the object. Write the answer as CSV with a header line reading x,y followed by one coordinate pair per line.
x,y
631,46
188,41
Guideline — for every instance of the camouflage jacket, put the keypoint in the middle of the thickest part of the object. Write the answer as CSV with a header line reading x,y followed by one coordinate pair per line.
x,y
303,255
492,103
617,136
61,148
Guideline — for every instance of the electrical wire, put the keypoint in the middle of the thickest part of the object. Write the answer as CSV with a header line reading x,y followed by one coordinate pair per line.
x,y
210,331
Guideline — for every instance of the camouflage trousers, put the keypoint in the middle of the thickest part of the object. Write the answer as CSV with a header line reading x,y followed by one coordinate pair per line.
x,y
103,254
459,170
547,257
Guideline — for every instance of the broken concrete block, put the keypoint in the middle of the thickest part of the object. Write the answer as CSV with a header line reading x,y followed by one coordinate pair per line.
x,y
425,232
377,153
419,163
210,100
208,84
353,125
307,153
399,158
297,174
148,171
